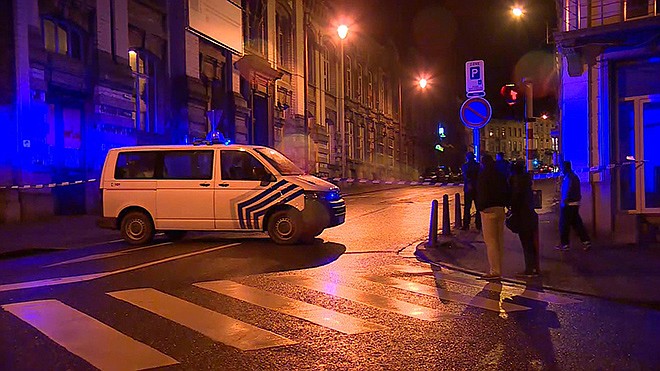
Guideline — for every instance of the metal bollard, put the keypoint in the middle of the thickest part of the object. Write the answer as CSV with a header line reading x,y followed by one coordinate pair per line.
x,y
433,227
446,223
458,221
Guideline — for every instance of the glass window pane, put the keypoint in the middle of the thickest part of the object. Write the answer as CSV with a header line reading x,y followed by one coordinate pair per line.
x,y
62,42
188,165
135,165
652,154
627,184
241,165
49,36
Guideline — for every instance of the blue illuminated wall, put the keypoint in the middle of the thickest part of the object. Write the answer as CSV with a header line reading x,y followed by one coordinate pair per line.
x,y
574,106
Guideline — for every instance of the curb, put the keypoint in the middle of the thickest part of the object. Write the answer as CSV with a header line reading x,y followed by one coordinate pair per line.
x,y
424,258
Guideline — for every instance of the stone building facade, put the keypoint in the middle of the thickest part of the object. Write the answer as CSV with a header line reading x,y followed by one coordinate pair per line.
x,y
610,110
84,76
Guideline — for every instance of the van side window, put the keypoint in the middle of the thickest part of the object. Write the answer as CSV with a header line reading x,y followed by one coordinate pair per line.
x,y
188,165
241,165
136,165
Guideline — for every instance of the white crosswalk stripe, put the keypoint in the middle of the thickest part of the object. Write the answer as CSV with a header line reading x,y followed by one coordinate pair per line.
x,y
367,298
216,326
110,350
72,329
312,313
507,289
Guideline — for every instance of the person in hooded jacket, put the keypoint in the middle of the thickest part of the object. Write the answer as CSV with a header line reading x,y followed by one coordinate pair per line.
x,y
524,220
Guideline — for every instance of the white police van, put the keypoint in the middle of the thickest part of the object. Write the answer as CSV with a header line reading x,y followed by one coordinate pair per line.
x,y
212,187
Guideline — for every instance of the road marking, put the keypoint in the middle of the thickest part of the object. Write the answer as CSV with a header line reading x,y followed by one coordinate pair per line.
x,y
475,301
321,316
89,339
216,326
92,276
412,269
105,255
366,298
507,289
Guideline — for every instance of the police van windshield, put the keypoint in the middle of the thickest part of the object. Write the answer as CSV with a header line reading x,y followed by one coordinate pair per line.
x,y
283,165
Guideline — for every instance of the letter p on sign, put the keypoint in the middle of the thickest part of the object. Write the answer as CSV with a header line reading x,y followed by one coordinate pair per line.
x,y
475,73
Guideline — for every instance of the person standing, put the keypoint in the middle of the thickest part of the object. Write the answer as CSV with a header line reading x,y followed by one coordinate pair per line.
x,y
502,165
492,197
470,175
524,217
569,214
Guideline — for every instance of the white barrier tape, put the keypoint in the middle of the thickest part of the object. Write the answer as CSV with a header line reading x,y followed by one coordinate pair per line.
x,y
48,185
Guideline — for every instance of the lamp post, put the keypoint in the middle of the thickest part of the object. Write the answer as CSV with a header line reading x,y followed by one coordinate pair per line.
x,y
342,31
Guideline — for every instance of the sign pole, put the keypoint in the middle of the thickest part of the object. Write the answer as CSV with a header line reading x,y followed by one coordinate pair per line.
x,y
476,141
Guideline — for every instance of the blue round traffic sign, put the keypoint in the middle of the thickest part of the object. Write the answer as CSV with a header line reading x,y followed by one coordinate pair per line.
x,y
476,112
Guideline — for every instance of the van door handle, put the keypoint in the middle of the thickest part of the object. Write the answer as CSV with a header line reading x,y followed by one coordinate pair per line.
x,y
205,184
223,185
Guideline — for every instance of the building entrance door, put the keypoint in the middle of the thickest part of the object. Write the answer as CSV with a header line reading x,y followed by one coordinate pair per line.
x,y
639,134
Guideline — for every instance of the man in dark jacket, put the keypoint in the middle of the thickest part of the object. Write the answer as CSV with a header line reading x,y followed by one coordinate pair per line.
x,y
470,175
502,165
569,214
492,197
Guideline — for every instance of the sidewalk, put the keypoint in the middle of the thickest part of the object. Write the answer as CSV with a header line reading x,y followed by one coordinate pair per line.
x,y
627,273
71,232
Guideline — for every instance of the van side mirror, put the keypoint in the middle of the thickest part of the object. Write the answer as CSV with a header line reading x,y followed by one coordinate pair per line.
x,y
267,179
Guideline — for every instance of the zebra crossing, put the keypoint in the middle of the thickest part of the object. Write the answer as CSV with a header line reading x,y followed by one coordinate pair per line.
x,y
71,328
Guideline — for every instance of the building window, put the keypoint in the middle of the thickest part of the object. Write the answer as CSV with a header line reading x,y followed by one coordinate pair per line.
x,y
325,62
381,95
143,66
360,143
360,92
255,10
351,140
283,25
387,104
61,38
636,8
311,66
349,78
370,90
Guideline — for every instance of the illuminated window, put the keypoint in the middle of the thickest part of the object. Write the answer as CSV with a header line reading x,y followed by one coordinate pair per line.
x,y
62,38
144,89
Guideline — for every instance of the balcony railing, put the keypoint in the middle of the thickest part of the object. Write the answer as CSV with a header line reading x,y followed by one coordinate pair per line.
x,y
581,14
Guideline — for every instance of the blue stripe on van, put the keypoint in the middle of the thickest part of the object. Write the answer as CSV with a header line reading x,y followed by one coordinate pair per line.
x,y
256,198
266,202
288,198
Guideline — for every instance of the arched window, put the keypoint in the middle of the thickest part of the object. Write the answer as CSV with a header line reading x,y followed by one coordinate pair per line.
x,y
284,26
325,66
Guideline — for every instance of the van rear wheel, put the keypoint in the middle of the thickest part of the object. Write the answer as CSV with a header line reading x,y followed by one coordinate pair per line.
x,y
285,227
137,228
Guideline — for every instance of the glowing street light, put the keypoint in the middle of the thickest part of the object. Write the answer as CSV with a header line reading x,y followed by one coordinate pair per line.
x,y
517,11
342,31
423,83
544,116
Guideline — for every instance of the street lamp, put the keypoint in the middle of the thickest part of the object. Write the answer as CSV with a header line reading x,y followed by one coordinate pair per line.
x,y
517,11
422,83
342,32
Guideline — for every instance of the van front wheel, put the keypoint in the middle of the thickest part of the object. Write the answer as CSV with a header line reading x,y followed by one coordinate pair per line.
x,y
137,228
285,227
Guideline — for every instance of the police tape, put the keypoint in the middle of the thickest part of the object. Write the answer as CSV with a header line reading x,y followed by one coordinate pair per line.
x,y
48,185
593,169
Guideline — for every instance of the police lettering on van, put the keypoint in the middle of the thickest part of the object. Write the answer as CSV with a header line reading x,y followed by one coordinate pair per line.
x,y
175,189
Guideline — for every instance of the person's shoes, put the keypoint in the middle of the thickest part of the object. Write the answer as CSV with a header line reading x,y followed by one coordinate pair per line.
x,y
586,245
562,247
490,277
528,274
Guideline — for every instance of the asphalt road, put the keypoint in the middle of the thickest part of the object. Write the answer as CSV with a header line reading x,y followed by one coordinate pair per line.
x,y
355,299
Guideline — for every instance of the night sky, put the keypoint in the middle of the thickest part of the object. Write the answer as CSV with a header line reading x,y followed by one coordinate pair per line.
x,y
436,38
